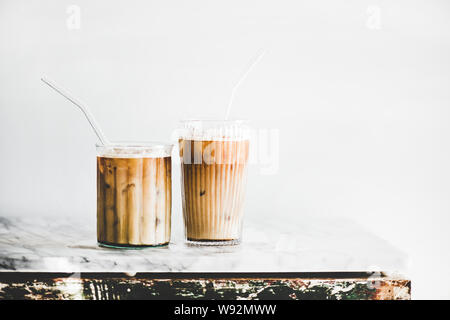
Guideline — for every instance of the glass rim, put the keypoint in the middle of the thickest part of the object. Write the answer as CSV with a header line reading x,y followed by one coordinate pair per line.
x,y
215,120
136,145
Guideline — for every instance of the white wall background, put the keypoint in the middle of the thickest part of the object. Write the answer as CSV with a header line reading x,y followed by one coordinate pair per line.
x,y
362,107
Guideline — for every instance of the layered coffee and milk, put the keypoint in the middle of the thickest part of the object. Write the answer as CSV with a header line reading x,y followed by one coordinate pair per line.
x,y
134,195
213,176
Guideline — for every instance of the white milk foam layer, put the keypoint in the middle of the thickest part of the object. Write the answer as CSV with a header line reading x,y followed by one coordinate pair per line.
x,y
213,138
136,152
215,134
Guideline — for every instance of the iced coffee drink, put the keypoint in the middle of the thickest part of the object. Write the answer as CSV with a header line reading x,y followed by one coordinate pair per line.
x,y
214,158
134,195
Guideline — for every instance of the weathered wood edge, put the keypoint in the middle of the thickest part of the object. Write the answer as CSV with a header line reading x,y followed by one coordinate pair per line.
x,y
234,286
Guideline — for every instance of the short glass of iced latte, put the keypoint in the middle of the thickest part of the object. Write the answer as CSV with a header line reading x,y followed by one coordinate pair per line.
x,y
134,194
214,161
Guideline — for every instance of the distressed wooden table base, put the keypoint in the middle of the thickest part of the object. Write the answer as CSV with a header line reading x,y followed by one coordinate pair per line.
x,y
113,286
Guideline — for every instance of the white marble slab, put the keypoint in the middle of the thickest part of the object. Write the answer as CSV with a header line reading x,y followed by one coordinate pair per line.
x,y
314,245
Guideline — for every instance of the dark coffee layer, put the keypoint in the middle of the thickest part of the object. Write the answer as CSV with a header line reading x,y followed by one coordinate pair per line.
x,y
134,198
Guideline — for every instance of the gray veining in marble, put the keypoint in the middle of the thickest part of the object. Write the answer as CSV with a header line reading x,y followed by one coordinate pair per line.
x,y
69,245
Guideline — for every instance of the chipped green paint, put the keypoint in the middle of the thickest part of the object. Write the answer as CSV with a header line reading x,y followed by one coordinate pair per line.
x,y
143,286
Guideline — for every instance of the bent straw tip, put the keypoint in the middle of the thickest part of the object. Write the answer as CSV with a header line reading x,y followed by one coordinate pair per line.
x,y
45,79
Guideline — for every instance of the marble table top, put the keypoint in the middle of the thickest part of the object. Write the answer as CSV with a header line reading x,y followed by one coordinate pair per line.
x,y
310,245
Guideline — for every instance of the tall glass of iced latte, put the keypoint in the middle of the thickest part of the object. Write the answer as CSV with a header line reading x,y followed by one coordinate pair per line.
x,y
214,158
134,194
